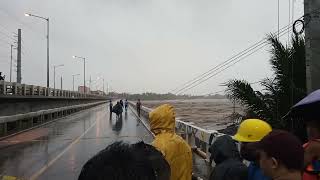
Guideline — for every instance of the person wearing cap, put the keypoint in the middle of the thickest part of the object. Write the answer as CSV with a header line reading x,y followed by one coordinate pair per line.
x,y
175,150
250,131
280,155
308,110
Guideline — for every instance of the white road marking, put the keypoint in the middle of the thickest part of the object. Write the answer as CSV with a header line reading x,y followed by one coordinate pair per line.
x,y
46,166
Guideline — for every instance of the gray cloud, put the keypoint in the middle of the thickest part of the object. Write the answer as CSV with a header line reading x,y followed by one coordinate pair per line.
x,y
143,45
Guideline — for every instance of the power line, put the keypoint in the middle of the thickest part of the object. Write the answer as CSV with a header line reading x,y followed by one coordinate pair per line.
x,y
234,57
207,78
232,61
189,85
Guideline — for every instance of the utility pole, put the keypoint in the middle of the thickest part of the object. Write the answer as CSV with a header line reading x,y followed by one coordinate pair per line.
x,y
11,64
61,82
103,85
90,82
19,57
312,38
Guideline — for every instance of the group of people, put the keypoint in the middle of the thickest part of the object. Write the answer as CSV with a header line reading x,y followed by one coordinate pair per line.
x,y
255,152
168,157
271,154
118,108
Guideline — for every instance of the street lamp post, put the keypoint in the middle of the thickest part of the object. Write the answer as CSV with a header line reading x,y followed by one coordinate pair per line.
x,y
73,80
54,74
47,19
84,72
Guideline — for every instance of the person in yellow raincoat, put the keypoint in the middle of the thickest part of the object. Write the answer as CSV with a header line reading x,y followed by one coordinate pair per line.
x,y
175,150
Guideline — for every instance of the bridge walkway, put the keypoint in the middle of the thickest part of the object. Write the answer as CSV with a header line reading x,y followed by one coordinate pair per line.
x,y
58,150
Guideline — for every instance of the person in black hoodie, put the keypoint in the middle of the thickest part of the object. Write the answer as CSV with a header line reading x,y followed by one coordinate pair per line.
x,y
226,156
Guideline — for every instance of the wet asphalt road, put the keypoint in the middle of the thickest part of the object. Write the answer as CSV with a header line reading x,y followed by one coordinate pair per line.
x,y
59,150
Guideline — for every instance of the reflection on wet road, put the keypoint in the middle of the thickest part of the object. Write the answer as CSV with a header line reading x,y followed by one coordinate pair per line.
x,y
58,150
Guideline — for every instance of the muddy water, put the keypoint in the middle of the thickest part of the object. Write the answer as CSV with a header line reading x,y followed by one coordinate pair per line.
x,y
205,113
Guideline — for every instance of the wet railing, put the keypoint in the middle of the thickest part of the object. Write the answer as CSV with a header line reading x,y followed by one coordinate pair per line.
x,y
16,89
198,138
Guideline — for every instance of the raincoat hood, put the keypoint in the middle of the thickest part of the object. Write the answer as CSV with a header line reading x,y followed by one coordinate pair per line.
x,y
162,119
224,148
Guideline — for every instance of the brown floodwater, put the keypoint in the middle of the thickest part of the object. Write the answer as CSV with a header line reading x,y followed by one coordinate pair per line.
x,y
206,113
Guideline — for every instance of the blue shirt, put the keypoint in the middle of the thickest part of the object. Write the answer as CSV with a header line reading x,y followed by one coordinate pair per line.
x,y
255,173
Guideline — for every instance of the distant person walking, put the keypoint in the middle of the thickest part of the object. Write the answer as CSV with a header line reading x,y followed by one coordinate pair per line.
x,y
138,107
121,103
2,77
117,109
126,105
110,106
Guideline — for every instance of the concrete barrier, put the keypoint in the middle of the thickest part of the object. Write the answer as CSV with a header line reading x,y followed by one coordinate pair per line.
x,y
20,122
14,89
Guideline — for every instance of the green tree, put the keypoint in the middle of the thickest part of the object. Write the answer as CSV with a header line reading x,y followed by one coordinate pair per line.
x,y
284,89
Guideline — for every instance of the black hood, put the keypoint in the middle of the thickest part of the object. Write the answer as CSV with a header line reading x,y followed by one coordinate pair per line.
x,y
224,148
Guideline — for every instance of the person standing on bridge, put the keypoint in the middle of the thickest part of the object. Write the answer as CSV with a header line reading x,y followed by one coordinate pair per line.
x,y
110,106
138,105
121,103
250,131
175,150
229,164
2,77
126,105
280,155
307,110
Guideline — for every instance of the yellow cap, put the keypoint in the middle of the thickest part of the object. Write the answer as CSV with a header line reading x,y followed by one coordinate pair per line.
x,y
252,130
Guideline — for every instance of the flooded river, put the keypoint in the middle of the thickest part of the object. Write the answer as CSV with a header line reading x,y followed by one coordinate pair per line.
x,y
205,113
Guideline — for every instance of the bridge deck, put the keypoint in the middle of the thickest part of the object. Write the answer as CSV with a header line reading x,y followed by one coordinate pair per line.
x,y
59,150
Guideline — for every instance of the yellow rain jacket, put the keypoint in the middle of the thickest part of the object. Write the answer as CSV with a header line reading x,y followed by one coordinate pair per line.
x,y
175,150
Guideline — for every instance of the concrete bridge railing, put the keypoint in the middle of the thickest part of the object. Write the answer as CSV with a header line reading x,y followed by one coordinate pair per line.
x,y
27,106
198,138
16,89
18,123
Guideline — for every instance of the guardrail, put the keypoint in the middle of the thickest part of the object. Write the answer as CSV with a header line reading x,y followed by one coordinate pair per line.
x,y
198,138
21,122
16,89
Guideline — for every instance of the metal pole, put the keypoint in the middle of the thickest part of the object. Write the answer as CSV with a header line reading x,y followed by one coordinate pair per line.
x,y
278,18
103,85
84,75
54,77
19,57
47,52
312,38
72,82
11,64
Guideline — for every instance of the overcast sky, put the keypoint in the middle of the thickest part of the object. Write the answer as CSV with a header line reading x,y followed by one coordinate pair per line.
x,y
141,45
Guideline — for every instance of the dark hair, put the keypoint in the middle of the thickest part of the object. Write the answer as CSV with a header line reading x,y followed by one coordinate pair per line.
x,y
121,161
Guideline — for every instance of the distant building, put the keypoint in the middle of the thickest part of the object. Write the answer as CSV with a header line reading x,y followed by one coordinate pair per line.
x,y
98,92
81,89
